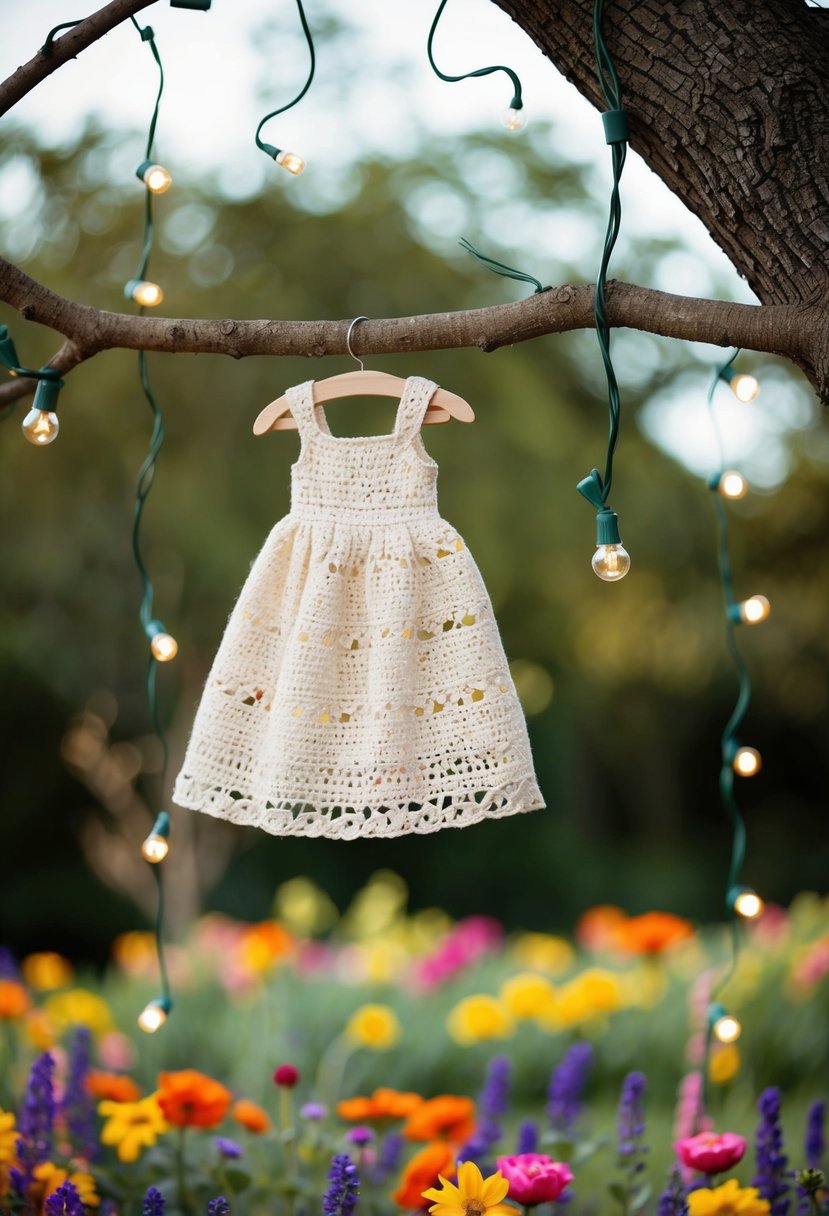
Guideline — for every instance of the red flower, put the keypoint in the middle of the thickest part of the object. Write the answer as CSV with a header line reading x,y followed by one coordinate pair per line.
x,y
534,1178
711,1153
286,1075
190,1099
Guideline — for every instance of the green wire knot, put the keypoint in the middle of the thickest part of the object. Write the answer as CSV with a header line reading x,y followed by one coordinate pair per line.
x,y
592,488
508,272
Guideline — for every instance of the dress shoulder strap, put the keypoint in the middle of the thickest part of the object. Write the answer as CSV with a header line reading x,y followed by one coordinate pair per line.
x,y
413,405
309,418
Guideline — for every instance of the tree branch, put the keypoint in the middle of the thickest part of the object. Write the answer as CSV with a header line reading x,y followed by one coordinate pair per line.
x,y
68,46
795,332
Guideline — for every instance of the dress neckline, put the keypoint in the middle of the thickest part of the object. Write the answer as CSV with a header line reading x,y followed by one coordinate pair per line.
x,y
320,419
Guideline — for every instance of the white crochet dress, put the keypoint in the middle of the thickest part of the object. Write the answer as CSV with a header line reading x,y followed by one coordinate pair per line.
x,y
360,688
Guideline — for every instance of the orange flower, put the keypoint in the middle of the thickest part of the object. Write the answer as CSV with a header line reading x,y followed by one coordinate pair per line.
x,y
383,1104
652,933
190,1099
250,1116
111,1085
422,1172
262,945
14,999
596,928
447,1116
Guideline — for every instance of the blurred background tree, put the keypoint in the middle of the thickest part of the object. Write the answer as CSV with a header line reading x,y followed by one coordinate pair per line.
x,y
626,688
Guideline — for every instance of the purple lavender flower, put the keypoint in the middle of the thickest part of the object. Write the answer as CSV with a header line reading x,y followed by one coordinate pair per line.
x,y
564,1096
153,1203
78,1106
815,1139
37,1122
9,969
493,1104
65,1201
630,1116
673,1200
341,1197
388,1158
228,1148
527,1137
771,1177
218,1207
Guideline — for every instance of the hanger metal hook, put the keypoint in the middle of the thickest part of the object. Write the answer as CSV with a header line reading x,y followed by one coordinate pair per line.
x,y
356,358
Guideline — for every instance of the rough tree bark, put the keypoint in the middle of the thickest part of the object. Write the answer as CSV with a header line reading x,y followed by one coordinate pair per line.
x,y
729,104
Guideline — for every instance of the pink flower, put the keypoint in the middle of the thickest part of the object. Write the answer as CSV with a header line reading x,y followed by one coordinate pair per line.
x,y
534,1178
286,1075
711,1153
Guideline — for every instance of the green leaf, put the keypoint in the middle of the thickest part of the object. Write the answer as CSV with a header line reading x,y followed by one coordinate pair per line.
x,y
237,1179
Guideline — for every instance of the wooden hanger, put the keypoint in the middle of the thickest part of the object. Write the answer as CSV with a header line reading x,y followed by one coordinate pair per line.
x,y
364,383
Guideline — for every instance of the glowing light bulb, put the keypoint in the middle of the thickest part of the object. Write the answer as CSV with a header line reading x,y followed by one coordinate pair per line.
x,y
143,292
747,761
514,119
40,426
164,647
732,484
154,1014
156,847
611,562
290,161
755,609
727,1029
748,904
745,388
155,177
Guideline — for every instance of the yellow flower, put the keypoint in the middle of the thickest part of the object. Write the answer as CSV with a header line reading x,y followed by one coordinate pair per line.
x,y
49,1177
730,1199
8,1137
724,1063
527,995
77,1007
544,952
46,971
593,994
479,1017
131,1126
374,1026
473,1196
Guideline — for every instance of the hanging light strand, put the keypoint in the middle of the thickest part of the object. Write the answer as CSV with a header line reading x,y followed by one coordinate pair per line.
x,y
513,117
162,645
740,900
40,425
289,160
611,561
507,272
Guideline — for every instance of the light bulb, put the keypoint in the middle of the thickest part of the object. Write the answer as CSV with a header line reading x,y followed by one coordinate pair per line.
x,y
155,848
727,1029
745,388
747,762
154,1014
514,119
755,609
164,647
155,177
40,426
732,484
290,161
611,562
748,904
143,292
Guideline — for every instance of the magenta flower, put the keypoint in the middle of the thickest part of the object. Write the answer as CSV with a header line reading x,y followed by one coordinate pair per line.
x,y
534,1178
710,1152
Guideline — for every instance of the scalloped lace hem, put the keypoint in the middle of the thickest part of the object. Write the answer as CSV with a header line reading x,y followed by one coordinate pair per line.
x,y
449,810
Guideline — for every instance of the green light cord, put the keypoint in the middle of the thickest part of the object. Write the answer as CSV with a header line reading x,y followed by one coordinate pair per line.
x,y
269,148
517,101
144,483
611,90
508,272
46,49
729,741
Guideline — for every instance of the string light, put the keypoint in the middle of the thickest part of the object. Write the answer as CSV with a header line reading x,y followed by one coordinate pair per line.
x,y
156,847
154,1014
747,762
753,610
162,644
514,117
144,292
41,424
290,160
746,903
611,561
724,1026
730,484
155,177
744,387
